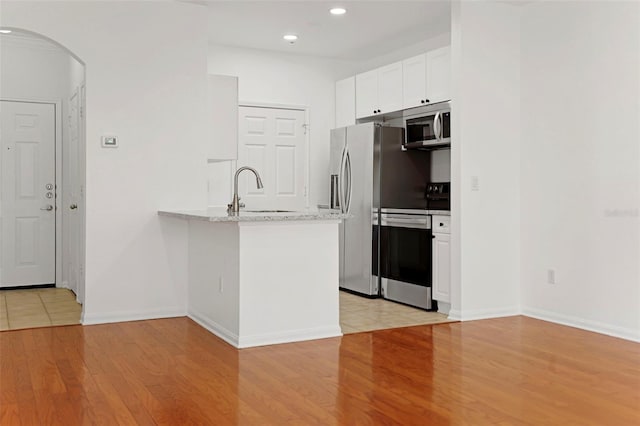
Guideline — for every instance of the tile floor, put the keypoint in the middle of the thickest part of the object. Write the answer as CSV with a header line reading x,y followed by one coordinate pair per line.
x,y
58,306
359,314
38,308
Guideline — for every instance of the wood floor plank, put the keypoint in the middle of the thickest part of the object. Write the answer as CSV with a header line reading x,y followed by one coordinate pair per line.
x,y
506,371
9,414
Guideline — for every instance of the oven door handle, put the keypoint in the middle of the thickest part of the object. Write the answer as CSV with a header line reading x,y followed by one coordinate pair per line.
x,y
406,223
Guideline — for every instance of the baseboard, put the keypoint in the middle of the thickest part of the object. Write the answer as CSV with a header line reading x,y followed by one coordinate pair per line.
x,y
595,326
27,287
124,316
263,339
289,336
478,314
215,328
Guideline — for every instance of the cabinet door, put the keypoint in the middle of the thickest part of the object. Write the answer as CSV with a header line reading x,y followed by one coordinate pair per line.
x,y
366,94
414,81
346,102
441,249
390,88
222,118
439,74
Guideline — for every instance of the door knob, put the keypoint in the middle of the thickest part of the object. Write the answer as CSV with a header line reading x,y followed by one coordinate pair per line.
x,y
47,208
73,206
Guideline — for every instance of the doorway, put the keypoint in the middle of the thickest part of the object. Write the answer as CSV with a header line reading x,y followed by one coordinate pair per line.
x,y
274,141
28,209
42,180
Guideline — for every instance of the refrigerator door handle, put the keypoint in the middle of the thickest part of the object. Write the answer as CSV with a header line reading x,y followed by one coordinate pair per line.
x,y
335,202
436,127
349,185
341,176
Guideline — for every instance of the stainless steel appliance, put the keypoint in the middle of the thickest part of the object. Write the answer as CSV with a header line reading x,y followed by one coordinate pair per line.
x,y
356,157
428,127
405,257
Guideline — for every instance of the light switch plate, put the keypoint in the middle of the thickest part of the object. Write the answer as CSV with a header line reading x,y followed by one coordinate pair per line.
x,y
109,141
475,183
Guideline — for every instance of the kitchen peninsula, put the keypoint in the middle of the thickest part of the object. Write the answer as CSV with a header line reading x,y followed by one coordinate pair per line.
x,y
260,278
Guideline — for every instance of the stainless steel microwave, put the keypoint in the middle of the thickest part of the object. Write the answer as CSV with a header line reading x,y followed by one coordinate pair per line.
x,y
428,127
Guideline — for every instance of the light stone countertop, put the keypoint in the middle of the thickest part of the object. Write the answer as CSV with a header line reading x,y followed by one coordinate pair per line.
x,y
221,215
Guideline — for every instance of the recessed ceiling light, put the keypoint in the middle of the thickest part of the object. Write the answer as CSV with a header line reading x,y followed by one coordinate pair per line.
x,y
290,37
5,31
338,11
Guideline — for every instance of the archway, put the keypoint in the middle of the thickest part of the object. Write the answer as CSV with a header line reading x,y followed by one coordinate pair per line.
x,y
42,164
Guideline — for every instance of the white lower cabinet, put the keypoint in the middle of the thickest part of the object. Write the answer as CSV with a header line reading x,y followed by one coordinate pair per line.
x,y
441,264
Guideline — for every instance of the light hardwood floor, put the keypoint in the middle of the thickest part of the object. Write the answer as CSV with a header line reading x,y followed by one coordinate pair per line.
x,y
38,308
508,371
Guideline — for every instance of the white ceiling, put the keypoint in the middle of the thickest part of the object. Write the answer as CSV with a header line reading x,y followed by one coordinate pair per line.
x,y
370,28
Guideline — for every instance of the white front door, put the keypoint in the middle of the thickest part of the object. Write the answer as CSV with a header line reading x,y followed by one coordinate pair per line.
x,y
28,204
273,142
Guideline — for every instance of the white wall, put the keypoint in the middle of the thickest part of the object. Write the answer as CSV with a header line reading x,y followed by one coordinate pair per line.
x,y
146,83
581,164
276,78
485,132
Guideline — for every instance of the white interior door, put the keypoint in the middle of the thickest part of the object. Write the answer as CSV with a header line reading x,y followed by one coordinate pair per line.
x,y
273,141
27,140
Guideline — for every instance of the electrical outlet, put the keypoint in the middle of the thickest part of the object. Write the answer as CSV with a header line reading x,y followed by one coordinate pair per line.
x,y
551,276
220,285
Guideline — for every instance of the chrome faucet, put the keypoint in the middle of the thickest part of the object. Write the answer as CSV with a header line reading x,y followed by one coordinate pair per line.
x,y
234,207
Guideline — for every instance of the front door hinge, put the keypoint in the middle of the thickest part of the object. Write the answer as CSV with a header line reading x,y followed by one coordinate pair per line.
x,y
306,128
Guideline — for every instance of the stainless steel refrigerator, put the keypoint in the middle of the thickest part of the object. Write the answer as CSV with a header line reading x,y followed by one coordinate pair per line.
x,y
355,168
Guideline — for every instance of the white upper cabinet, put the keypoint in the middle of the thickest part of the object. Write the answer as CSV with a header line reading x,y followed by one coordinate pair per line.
x,y
414,71
222,117
379,91
346,102
366,94
390,88
439,74
427,78
420,80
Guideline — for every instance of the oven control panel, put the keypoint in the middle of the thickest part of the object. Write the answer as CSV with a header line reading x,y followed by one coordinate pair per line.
x,y
438,196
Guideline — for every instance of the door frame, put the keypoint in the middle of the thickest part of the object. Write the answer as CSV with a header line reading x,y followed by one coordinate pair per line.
x,y
307,144
57,106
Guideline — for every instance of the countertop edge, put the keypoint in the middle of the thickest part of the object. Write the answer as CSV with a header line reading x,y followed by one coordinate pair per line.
x,y
255,217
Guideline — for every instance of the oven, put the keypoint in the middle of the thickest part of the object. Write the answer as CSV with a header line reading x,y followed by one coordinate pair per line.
x,y
405,257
